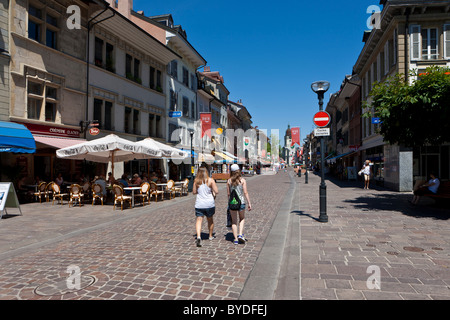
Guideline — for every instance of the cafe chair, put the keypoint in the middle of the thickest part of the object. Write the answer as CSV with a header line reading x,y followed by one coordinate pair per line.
x,y
170,189
57,193
155,192
97,193
41,191
48,191
76,193
145,192
119,196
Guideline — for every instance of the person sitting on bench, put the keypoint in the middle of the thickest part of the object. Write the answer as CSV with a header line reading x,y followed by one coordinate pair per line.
x,y
431,187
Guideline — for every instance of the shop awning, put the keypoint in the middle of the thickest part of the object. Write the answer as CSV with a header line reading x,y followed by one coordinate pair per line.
x,y
16,138
223,158
332,160
57,142
203,157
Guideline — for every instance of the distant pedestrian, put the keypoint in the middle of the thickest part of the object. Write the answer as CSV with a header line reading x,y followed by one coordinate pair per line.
x,y
239,185
431,187
206,190
366,172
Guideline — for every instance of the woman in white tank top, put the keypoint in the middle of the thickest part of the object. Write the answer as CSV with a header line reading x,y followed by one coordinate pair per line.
x,y
206,189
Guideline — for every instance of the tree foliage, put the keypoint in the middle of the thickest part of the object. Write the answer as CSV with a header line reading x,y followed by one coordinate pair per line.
x,y
416,114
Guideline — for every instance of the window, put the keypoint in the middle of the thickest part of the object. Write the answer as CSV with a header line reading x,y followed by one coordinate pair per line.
x,y
136,127
429,44
173,101
133,69
151,118
193,110
50,111
109,55
424,43
152,78
127,119
34,108
98,52
34,23
185,77
41,94
108,115
158,81
103,113
42,26
98,106
447,41
173,69
382,65
192,82
128,63
185,107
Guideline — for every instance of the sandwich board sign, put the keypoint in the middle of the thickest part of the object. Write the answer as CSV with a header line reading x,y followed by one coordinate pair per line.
x,y
8,198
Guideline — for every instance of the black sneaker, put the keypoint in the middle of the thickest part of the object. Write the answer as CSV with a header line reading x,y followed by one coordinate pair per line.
x,y
199,242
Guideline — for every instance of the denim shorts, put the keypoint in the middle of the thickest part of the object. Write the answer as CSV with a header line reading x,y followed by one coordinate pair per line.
x,y
208,212
242,208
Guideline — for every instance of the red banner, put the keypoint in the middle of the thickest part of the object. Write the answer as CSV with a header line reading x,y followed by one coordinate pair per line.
x,y
295,132
205,119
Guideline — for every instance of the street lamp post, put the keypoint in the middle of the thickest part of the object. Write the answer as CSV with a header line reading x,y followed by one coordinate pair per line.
x,y
320,87
191,180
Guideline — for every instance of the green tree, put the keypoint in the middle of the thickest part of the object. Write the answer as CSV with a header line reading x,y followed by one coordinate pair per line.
x,y
416,114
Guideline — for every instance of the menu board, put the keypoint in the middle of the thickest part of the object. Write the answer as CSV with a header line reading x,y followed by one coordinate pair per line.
x,y
8,197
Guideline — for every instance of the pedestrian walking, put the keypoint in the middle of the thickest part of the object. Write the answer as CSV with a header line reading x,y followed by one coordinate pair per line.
x,y
366,172
206,190
237,185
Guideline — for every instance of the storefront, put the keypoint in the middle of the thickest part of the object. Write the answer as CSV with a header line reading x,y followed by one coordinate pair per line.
x,y
44,163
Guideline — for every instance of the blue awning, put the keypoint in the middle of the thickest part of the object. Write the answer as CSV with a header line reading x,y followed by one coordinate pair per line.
x,y
16,138
189,151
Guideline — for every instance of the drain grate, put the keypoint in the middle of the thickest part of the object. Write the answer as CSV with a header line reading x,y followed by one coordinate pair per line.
x,y
393,253
59,287
413,249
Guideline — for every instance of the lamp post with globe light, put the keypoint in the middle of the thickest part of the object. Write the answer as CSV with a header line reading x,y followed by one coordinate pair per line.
x,y
320,87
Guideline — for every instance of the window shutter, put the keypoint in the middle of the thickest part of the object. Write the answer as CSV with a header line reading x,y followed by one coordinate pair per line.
x,y
415,42
447,41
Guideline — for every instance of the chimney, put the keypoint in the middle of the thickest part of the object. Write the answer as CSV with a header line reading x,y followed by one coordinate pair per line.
x,y
124,7
207,69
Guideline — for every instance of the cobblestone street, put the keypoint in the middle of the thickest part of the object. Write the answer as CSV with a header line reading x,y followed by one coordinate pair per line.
x,y
149,252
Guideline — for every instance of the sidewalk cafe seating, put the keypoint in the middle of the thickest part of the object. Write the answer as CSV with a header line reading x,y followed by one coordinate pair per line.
x,y
57,193
170,189
76,193
48,191
119,196
41,191
183,188
97,192
86,190
154,191
145,192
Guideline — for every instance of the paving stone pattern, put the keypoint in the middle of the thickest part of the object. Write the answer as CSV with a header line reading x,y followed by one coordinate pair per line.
x,y
409,244
142,253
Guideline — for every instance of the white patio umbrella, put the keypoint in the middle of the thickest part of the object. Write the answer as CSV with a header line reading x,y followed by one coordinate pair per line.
x,y
166,150
111,148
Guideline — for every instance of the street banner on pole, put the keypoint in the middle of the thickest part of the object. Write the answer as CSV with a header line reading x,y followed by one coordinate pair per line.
x,y
295,132
205,119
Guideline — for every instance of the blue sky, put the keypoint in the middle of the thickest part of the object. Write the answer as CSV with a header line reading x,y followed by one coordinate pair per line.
x,y
269,52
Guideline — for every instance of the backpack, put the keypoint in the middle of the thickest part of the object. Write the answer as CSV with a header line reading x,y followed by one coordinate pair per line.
x,y
234,202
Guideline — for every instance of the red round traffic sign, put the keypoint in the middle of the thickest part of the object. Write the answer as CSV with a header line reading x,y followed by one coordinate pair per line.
x,y
322,119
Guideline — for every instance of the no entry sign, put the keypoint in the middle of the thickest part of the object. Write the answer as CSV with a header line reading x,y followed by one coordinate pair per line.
x,y
322,119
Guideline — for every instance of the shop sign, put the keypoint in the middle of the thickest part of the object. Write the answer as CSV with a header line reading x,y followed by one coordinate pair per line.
x,y
52,131
94,131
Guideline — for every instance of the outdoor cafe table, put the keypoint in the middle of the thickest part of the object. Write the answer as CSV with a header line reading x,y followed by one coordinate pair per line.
x,y
132,193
